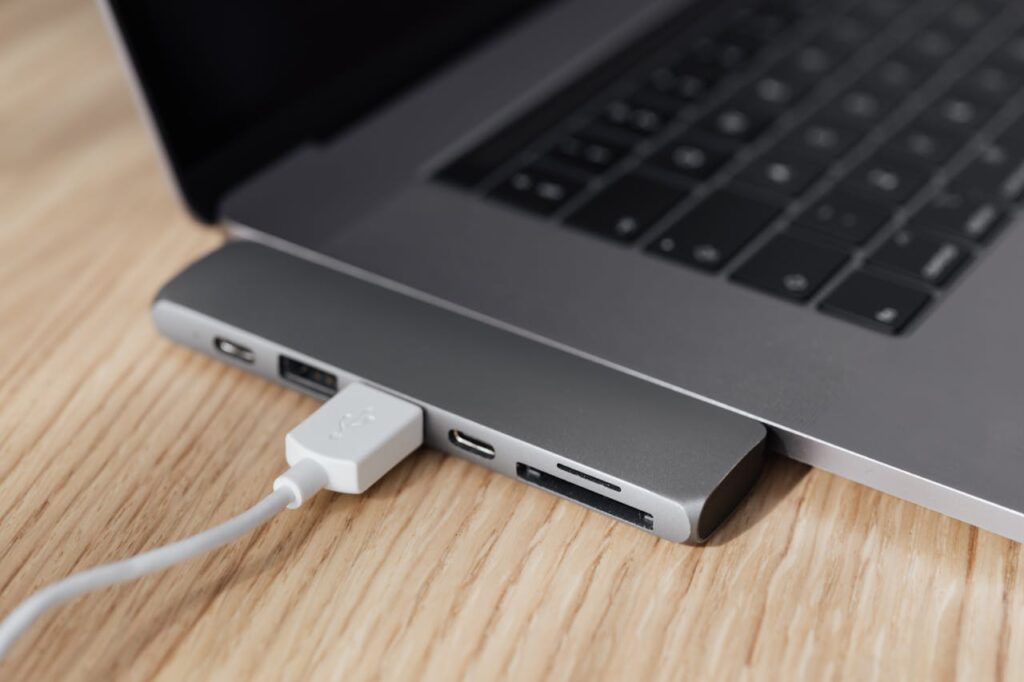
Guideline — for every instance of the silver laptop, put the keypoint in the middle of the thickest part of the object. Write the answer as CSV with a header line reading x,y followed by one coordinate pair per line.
x,y
804,212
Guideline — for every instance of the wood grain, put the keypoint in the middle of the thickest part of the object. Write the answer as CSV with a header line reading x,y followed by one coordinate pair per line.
x,y
112,441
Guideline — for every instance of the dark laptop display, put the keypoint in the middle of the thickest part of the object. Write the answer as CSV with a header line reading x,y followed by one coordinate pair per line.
x,y
235,84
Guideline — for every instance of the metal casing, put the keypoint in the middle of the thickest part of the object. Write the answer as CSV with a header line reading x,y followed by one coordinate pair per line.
x,y
684,462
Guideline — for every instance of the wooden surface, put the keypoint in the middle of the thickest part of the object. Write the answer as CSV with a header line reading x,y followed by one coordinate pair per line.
x,y
112,441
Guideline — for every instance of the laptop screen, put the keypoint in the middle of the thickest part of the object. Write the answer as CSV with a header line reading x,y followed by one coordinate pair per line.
x,y
233,84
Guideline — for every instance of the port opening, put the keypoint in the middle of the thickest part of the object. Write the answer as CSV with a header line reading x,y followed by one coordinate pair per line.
x,y
311,378
234,350
586,497
470,444
592,479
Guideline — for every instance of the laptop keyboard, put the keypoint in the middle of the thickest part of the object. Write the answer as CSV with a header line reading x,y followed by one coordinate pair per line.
x,y
856,158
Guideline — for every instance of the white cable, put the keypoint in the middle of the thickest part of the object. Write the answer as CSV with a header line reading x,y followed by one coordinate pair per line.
x,y
345,446
19,620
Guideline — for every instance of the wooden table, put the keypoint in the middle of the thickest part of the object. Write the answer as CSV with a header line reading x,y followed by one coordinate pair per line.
x,y
113,440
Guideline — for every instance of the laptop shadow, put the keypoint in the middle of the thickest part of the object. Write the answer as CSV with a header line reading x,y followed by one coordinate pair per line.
x,y
778,479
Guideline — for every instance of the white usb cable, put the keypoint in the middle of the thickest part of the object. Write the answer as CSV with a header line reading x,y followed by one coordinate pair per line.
x,y
349,443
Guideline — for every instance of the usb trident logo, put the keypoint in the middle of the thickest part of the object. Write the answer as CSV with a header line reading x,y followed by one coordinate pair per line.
x,y
353,420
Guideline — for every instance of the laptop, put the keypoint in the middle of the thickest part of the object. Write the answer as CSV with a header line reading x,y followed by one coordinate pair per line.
x,y
803,212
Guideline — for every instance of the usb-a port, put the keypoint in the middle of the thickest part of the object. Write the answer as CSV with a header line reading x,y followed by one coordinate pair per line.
x,y
309,377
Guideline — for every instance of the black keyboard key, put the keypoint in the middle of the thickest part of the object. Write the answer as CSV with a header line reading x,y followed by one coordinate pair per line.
x,y
1011,54
537,189
810,63
996,174
738,122
957,113
964,18
822,138
726,52
783,172
1014,135
926,145
687,76
893,79
764,23
588,153
597,129
880,13
887,179
923,256
692,157
665,105
684,87
990,83
668,104
858,108
875,302
845,217
845,34
633,117
774,91
790,268
710,235
1011,139
627,207
742,41
961,216
931,48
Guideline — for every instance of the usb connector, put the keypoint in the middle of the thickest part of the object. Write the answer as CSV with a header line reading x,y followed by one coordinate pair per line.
x,y
353,439
346,446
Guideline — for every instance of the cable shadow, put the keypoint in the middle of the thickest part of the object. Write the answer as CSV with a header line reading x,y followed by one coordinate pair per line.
x,y
425,462
112,662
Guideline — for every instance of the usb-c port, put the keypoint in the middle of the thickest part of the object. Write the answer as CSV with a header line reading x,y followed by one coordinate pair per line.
x,y
470,444
234,350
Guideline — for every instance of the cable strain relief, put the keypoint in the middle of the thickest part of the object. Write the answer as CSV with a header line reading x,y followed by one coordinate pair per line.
x,y
305,479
